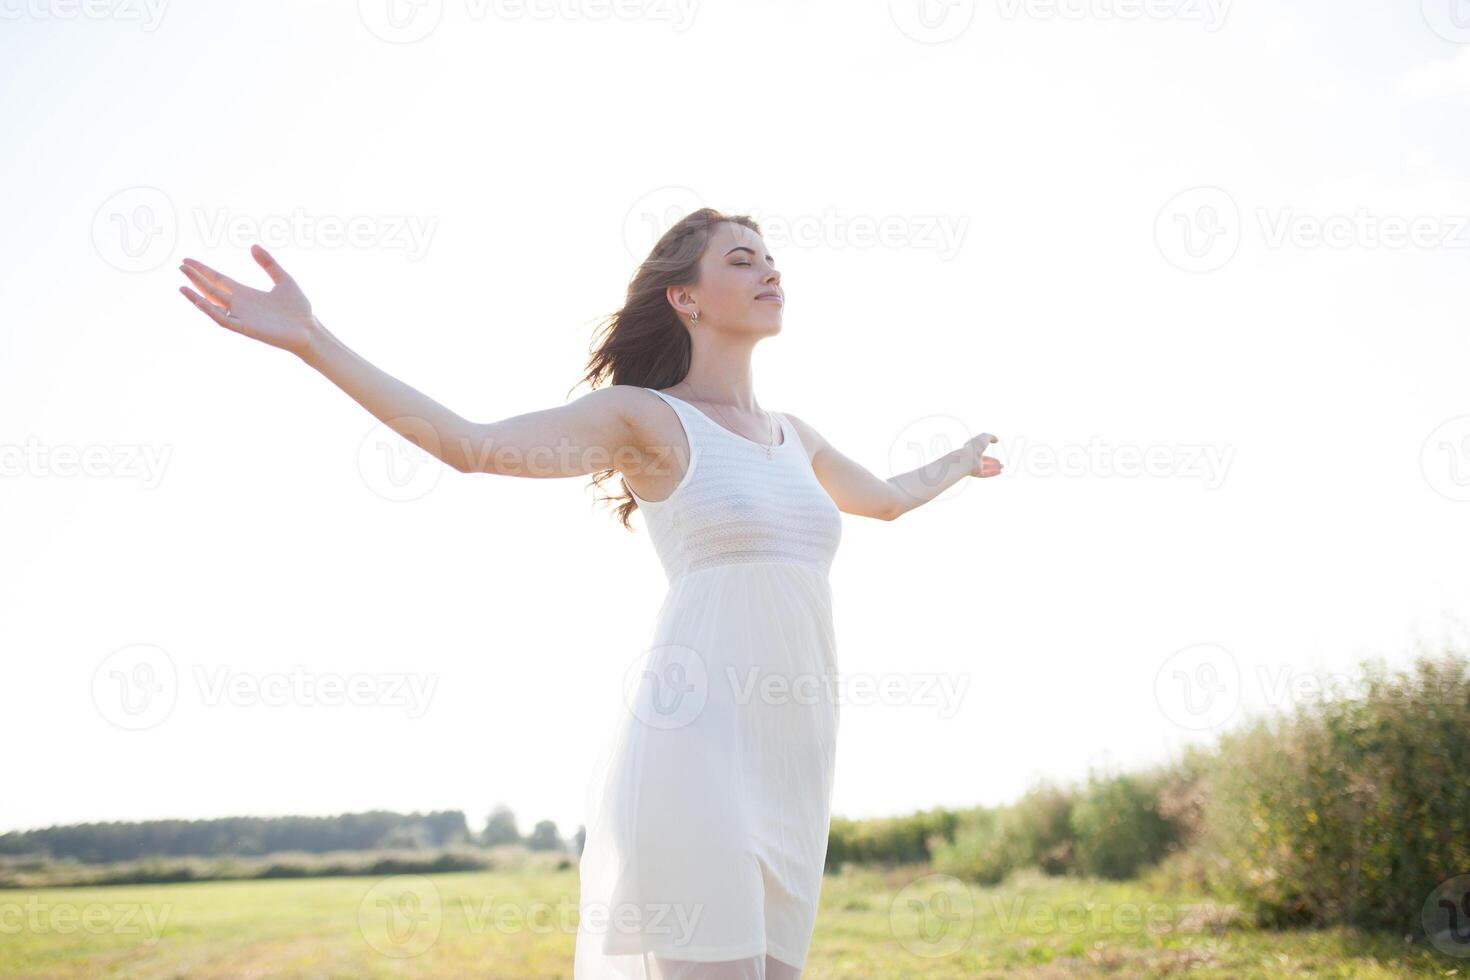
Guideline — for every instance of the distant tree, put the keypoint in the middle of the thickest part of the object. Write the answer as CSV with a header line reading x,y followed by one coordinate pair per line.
x,y
447,827
407,836
501,828
579,839
544,837
96,843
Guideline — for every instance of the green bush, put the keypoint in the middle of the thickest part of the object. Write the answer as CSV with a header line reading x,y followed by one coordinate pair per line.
x,y
989,844
1351,810
1117,827
888,840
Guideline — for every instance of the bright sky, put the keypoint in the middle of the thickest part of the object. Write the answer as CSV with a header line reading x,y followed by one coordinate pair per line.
x,y
1201,266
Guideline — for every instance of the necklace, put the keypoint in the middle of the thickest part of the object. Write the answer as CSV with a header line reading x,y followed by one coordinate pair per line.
x,y
770,423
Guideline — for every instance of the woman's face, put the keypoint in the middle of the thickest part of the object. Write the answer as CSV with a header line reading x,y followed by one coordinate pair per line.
x,y
739,287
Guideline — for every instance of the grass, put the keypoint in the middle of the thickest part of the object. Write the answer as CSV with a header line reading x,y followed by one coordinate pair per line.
x,y
873,925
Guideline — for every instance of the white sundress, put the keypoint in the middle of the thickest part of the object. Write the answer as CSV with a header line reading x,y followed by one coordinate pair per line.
x,y
709,812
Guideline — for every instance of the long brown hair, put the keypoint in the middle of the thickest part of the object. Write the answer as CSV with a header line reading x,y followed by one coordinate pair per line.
x,y
645,343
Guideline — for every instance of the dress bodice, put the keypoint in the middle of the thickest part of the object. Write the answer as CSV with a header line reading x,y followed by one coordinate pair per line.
x,y
737,503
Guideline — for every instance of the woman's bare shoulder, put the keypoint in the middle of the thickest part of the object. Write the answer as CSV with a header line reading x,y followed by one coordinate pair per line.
x,y
635,402
810,437
653,421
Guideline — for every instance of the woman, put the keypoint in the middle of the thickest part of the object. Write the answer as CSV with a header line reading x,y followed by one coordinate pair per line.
x,y
708,822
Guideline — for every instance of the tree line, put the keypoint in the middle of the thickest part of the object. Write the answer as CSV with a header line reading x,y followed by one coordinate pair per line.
x,y
101,843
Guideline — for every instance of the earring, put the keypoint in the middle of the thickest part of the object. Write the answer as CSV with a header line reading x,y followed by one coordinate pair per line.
x,y
694,317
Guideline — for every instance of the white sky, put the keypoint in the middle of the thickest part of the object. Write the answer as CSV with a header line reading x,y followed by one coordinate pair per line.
x,y
1036,282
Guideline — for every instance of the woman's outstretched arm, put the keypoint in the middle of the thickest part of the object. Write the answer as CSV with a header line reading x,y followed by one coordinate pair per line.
x,y
856,490
589,434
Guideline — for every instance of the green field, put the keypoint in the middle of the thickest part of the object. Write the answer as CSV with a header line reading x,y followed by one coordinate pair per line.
x,y
509,924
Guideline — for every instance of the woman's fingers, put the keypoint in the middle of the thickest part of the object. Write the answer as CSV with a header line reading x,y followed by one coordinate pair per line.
x,y
215,313
218,280
213,291
270,265
985,465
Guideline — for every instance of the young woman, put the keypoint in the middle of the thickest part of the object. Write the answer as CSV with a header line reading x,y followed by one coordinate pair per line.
x,y
707,831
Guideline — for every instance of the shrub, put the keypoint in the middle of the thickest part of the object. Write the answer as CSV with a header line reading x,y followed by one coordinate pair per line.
x,y
888,840
544,837
1353,809
990,844
500,828
1117,827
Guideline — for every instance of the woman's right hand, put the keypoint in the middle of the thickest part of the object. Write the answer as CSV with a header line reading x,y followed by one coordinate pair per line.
x,y
984,465
281,317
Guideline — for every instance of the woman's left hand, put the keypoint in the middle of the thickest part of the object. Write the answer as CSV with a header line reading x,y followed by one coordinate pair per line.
x,y
984,465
